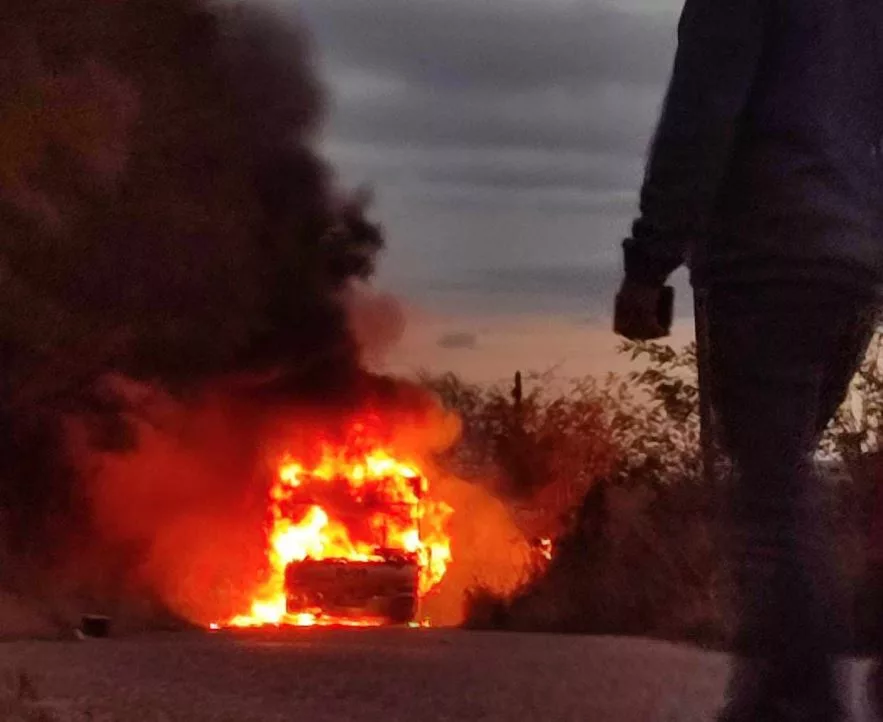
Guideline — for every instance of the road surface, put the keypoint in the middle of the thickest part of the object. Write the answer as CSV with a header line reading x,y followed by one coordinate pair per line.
x,y
339,675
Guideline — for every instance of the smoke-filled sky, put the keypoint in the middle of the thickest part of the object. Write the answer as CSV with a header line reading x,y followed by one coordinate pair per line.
x,y
505,140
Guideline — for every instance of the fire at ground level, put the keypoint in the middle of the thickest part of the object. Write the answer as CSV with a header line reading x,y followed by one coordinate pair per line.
x,y
205,521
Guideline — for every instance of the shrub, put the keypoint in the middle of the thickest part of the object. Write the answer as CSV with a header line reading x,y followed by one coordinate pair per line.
x,y
641,555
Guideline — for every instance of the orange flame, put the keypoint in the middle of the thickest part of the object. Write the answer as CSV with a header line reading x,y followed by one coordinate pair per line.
x,y
357,503
545,548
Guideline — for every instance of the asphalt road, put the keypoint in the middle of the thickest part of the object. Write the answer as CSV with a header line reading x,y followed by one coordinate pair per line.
x,y
320,675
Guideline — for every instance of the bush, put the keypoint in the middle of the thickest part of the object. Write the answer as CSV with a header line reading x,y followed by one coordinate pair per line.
x,y
641,554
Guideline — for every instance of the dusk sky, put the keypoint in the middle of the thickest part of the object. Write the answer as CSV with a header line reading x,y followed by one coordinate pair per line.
x,y
505,141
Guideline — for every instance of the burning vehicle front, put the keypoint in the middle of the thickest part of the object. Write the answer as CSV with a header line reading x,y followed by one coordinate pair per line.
x,y
385,588
353,539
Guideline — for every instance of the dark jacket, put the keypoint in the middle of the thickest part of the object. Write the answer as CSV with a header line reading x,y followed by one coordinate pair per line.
x,y
768,161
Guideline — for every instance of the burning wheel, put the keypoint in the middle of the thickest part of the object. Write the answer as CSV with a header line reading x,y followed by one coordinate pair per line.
x,y
402,610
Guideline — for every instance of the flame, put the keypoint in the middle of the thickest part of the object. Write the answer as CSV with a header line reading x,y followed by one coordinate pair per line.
x,y
357,504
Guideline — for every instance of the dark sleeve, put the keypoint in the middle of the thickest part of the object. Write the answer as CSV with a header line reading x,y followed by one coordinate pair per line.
x,y
719,46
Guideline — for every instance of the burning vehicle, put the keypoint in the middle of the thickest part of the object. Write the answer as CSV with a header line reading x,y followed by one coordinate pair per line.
x,y
383,585
385,589
354,539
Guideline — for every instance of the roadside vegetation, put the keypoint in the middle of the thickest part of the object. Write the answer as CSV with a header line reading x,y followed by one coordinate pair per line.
x,y
611,471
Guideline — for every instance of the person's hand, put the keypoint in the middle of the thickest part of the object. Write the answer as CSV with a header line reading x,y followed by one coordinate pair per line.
x,y
642,312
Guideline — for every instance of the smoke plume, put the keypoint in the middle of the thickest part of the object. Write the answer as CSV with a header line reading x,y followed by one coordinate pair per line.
x,y
160,187
168,230
184,291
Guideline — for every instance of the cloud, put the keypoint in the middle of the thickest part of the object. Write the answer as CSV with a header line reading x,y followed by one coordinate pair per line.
x,y
502,73
525,341
505,176
493,45
605,117
458,340
492,128
537,289
498,73
558,199
581,291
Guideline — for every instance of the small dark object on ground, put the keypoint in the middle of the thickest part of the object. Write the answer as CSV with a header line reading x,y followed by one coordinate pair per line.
x,y
26,690
95,625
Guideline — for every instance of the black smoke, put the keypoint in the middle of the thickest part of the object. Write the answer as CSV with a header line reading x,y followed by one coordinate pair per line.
x,y
166,223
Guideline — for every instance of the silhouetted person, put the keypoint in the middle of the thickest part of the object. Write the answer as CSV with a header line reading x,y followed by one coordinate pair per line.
x,y
765,178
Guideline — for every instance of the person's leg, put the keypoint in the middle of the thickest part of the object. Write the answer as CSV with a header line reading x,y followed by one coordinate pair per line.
x,y
772,353
870,592
846,360
849,355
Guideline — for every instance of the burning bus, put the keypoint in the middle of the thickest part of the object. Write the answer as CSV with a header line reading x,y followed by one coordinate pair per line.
x,y
354,539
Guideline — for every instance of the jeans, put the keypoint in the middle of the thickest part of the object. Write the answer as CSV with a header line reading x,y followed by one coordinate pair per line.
x,y
780,360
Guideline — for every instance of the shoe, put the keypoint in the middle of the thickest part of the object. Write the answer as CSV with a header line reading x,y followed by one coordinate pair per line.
x,y
758,693
781,710
875,689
